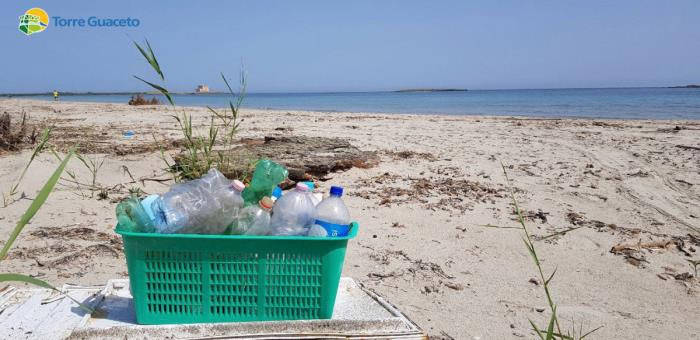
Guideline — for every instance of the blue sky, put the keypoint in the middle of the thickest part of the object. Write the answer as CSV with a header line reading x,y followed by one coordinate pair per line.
x,y
359,45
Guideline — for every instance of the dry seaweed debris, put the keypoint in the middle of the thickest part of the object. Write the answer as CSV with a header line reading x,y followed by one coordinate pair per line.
x,y
85,255
407,154
103,140
441,193
78,232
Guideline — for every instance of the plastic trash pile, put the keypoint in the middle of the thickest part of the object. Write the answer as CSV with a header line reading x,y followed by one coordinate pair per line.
x,y
214,204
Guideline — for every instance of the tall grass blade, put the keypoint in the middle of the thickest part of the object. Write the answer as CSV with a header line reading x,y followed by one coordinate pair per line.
x,y
227,85
160,89
143,52
216,113
11,277
551,276
590,332
550,328
36,204
37,150
560,336
155,64
531,248
537,330
150,57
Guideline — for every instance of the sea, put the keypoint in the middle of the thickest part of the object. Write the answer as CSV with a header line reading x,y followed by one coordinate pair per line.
x,y
615,103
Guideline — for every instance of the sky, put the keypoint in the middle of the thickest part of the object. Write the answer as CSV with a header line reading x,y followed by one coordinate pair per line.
x,y
325,46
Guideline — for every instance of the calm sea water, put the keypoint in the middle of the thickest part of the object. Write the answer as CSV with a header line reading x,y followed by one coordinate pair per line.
x,y
635,103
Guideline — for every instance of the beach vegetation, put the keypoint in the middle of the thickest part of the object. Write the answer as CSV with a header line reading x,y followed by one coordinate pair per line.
x,y
138,99
93,165
8,198
553,329
211,149
12,138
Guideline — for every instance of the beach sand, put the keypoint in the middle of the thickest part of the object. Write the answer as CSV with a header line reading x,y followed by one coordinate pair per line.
x,y
438,235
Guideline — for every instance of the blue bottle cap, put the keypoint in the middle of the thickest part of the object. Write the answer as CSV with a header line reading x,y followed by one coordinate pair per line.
x,y
336,191
277,192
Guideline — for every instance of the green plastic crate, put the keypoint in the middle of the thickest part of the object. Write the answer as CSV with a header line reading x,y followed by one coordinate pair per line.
x,y
177,278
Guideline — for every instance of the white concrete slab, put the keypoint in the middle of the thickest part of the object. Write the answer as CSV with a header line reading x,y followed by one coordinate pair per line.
x,y
39,314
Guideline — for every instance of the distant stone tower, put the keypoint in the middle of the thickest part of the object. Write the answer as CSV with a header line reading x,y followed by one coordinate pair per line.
x,y
202,89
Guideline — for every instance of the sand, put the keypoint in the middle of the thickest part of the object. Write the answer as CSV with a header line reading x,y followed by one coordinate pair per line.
x,y
438,235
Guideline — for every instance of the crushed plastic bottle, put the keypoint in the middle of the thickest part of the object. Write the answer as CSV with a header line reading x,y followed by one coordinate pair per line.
x,y
202,206
332,214
253,219
293,212
266,176
132,217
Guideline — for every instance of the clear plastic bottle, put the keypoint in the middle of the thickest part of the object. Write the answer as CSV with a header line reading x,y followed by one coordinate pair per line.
x,y
317,231
293,212
236,197
202,206
253,219
332,214
315,198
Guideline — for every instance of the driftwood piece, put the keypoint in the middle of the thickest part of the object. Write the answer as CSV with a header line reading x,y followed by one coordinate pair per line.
x,y
306,158
620,248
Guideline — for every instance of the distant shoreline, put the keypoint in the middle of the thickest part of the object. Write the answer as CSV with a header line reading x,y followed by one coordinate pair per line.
x,y
690,86
432,90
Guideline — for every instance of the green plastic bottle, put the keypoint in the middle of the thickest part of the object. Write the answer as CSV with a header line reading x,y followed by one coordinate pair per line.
x,y
132,217
266,176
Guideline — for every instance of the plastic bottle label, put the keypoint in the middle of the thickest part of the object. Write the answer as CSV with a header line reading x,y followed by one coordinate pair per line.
x,y
334,230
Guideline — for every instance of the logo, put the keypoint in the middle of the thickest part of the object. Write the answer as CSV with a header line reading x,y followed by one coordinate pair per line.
x,y
34,20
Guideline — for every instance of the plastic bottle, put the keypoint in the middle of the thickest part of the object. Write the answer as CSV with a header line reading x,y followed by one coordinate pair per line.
x,y
276,193
293,212
253,219
202,206
315,198
237,197
132,217
266,176
237,203
332,214
147,203
317,231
